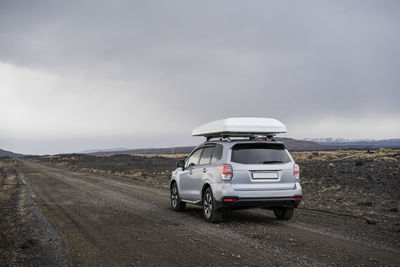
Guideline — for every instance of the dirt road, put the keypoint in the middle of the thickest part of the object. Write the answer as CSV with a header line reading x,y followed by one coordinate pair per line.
x,y
103,221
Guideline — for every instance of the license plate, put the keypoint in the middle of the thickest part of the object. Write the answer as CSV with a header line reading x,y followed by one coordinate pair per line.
x,y
265,175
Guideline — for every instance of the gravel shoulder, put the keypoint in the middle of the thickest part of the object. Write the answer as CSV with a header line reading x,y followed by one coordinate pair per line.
x,y
104,219
26,236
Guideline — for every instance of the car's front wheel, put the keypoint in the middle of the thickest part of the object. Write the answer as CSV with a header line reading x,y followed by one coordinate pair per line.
x,y
176,202
211,214
283,213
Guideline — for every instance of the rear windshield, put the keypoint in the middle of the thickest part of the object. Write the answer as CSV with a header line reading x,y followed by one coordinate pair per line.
x,y
259,154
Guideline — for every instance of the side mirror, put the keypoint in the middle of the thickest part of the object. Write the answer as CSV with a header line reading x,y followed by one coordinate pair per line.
x,y
180,164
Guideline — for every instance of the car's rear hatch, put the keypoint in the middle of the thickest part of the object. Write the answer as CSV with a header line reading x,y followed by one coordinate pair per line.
x,y
261,167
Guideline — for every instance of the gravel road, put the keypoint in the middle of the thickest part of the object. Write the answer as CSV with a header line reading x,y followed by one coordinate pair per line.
x,y
98,220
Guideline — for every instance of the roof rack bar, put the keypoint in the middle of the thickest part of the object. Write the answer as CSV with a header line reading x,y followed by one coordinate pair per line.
x,y
250,137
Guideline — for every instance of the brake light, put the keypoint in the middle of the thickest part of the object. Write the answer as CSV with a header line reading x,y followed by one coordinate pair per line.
x,y
230,199
296,171
226,171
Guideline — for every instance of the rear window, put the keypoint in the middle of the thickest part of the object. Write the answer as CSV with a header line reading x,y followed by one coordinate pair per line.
x,y
217,155
259,154
206,156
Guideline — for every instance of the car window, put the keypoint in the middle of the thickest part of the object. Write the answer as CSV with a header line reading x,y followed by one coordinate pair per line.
x,y
217,154
254,153
194,158
206,156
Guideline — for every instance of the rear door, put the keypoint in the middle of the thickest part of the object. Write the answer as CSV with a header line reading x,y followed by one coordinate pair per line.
x,y
199,172
197,169
186,184
261,167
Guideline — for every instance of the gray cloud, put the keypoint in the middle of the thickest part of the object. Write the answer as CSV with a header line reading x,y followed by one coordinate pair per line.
x,y
120,71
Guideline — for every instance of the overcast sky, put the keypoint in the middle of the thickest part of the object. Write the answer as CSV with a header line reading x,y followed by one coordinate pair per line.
x,y
77,75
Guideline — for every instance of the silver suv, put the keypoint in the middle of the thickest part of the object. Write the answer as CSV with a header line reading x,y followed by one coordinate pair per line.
x,y
230,174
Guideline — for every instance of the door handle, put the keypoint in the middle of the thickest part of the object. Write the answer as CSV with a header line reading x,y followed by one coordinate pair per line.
x,y
190,172
204,170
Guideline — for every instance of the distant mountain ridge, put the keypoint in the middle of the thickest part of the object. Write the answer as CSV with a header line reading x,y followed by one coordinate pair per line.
x,y
93,151
388,143
307,144
291,144
5,153
164,150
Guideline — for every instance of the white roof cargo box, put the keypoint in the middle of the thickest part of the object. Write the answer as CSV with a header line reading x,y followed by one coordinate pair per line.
x,y
240,127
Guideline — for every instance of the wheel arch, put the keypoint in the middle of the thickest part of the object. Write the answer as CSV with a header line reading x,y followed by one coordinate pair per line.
x,y
203,189
173,180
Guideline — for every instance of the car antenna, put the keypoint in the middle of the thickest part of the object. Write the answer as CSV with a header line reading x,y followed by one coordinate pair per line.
x,y
173,151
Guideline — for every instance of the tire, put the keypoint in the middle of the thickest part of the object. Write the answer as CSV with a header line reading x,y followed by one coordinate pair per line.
x,y
176,203
209,212
283,213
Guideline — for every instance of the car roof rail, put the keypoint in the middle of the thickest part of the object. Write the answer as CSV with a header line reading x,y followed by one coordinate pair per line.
x,y
238,137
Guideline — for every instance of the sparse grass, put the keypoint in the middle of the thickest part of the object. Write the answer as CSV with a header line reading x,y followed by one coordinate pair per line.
x,y
348,155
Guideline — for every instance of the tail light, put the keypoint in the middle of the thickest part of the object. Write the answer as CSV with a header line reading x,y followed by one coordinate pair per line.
x,y
226,172
230,199
296,171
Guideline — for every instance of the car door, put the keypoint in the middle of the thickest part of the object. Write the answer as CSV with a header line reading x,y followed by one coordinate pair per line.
x,y
199,172
186,185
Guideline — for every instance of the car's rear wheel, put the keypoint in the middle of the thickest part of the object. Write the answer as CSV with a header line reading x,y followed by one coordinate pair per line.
x,y
284,213
211,214
176,202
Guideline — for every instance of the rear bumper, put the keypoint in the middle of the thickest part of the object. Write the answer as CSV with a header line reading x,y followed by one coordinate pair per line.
x,y
233,202
255,198
223,190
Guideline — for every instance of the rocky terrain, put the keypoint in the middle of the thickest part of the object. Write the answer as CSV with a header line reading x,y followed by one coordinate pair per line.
x,y
353,182
358,183
114,210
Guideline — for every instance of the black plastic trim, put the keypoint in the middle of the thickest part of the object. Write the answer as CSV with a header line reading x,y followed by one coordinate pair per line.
x,y
257,202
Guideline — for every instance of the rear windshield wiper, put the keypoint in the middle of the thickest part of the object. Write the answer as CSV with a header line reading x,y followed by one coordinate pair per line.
x,y
272,161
